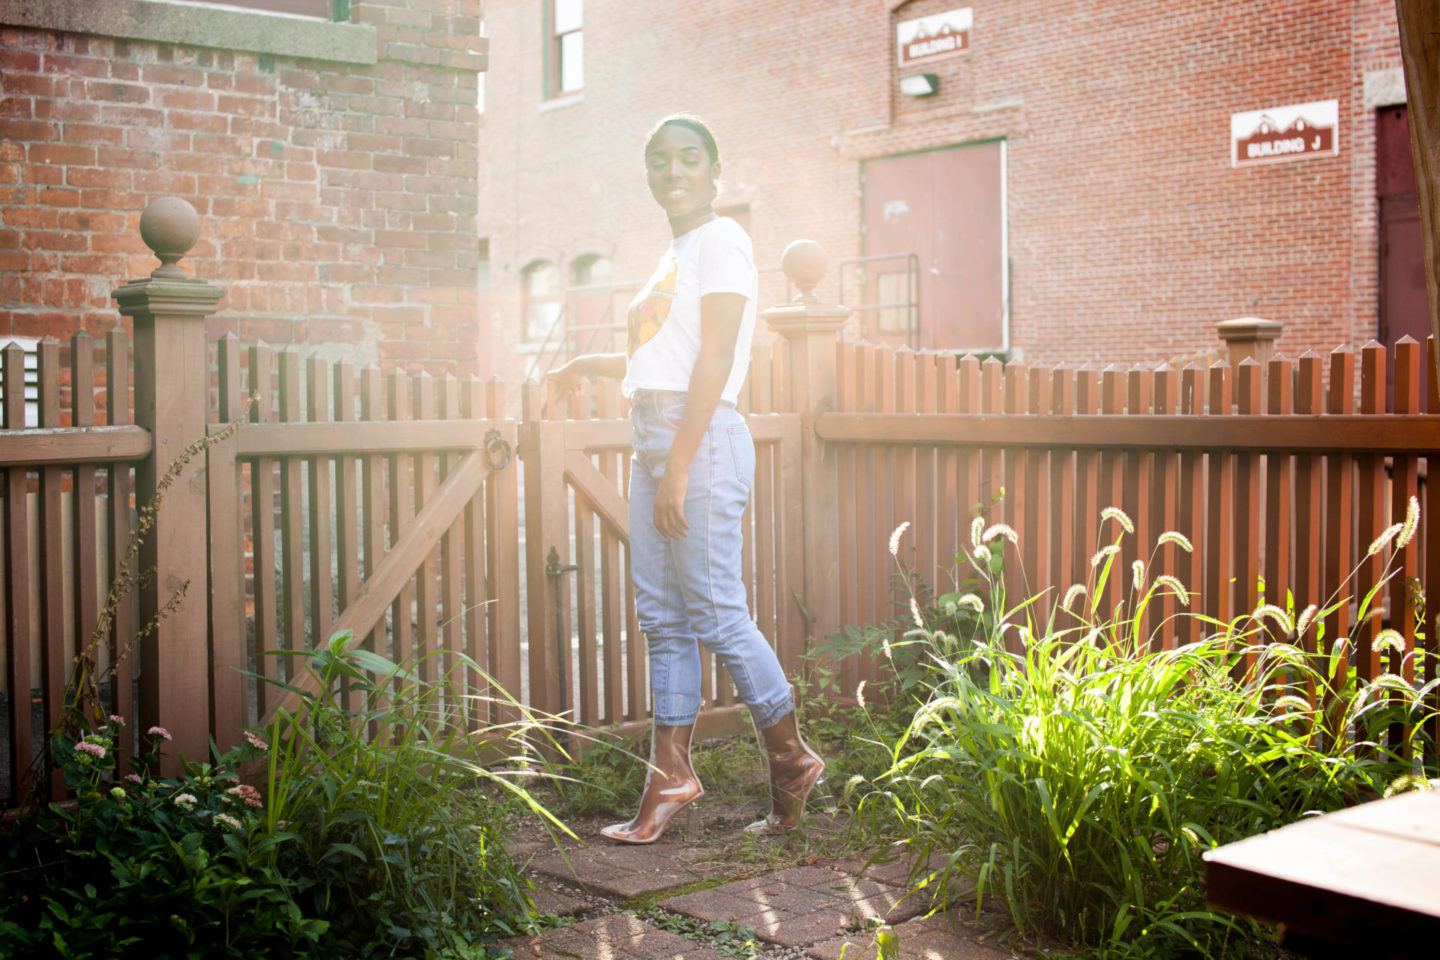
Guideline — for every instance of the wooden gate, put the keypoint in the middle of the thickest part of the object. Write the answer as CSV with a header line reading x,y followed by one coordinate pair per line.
x,y
383,504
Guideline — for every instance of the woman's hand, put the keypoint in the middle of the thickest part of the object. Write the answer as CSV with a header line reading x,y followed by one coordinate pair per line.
x,y
563,382
670,502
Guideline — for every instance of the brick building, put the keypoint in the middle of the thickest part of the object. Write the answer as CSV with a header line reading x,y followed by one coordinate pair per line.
x,y
331,151
1068,190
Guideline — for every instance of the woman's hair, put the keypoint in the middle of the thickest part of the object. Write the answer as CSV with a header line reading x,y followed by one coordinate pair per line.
x,y
690,123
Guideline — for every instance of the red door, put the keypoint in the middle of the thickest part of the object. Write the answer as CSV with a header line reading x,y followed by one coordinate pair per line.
x,y
947,208
1404,306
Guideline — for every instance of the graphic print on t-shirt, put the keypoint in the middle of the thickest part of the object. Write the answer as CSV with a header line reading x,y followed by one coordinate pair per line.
x,y
649,310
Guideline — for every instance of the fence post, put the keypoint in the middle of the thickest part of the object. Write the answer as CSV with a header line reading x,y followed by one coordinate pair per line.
x,y
172,394
1249,337
812,328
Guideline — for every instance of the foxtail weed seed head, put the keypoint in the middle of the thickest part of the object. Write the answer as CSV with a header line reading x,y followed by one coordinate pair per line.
x,y
860,694
1177,538
1075,592
1102,553
1091,636
1389,639
977,528
971,601
1137,574
1175,587
1408,782
1277,616
915,612
1290,702
1383,541
1119,516
997,530
1307,616
982,554
895,538
1389,681
1411,524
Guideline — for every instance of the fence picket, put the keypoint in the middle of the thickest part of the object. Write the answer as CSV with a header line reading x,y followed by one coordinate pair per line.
x,y
1165,507
1370,520
230,689
292,514
1404,484
401,487
1017,496
1309,512
120,487
53,656
85,540
1247,530
1139,487
262,520
17,578
1279,484
374,496
317,410
452,558
347,509
1191,515
1219,591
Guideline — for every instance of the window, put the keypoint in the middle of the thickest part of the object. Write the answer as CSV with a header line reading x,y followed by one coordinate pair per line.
x,y
567,47
591,270
541,284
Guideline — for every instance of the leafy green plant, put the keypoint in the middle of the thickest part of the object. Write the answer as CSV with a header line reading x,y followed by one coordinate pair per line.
x,y
1078,774
388,807
146,867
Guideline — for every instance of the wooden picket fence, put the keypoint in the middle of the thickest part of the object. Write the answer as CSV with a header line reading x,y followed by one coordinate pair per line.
x,y
1274,473
418,513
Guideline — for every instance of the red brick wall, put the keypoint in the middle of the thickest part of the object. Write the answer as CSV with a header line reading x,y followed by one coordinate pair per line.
x,y
338,201
1130,234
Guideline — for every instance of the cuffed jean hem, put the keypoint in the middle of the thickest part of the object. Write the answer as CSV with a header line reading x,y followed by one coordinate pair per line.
x,y
767,715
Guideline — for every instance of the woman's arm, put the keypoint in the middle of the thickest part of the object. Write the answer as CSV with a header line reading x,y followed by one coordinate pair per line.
x,y
720,316
564,380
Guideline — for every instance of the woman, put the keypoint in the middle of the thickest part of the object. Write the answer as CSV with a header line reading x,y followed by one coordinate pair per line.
x,y
687,356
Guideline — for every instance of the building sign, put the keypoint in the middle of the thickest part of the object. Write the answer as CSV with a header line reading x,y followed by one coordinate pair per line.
x,y
934,37
1285,133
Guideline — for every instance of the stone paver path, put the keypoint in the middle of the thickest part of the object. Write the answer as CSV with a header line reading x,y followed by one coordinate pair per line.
x,y
804,911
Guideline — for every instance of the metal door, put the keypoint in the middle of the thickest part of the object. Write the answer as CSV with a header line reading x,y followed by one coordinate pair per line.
x,y
1404,306
947,207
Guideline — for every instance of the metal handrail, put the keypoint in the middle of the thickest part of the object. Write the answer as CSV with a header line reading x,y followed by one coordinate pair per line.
x,y
912,286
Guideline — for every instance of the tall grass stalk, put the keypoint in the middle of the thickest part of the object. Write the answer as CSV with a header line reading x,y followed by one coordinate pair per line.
x,y
1076,773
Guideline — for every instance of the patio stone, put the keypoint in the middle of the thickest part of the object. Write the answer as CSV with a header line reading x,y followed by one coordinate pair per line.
x,y
622,871
931,938
797,906
617,936
548,900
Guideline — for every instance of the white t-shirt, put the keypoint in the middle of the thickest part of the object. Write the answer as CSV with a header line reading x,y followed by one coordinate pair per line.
x,y
664,322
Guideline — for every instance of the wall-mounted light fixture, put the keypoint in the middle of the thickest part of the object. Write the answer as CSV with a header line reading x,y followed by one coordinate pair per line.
x,y
919,84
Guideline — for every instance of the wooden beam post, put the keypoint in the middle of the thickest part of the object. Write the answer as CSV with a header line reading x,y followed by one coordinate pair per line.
x,y
1420,52
172,394
811,328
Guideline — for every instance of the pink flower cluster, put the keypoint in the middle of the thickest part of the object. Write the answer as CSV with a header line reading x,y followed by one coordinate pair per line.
x,y
257,742
247,794
116,719
93,749
160,732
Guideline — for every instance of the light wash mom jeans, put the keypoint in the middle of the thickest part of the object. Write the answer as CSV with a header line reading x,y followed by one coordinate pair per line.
x,y
691,588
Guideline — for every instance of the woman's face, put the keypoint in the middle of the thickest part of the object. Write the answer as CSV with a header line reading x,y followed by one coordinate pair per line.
x,y
681,176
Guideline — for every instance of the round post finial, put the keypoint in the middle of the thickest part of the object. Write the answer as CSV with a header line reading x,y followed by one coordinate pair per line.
x,y
804,264
169,226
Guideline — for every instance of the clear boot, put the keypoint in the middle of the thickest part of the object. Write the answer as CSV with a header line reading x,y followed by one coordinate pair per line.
x,y
670,786
794,771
